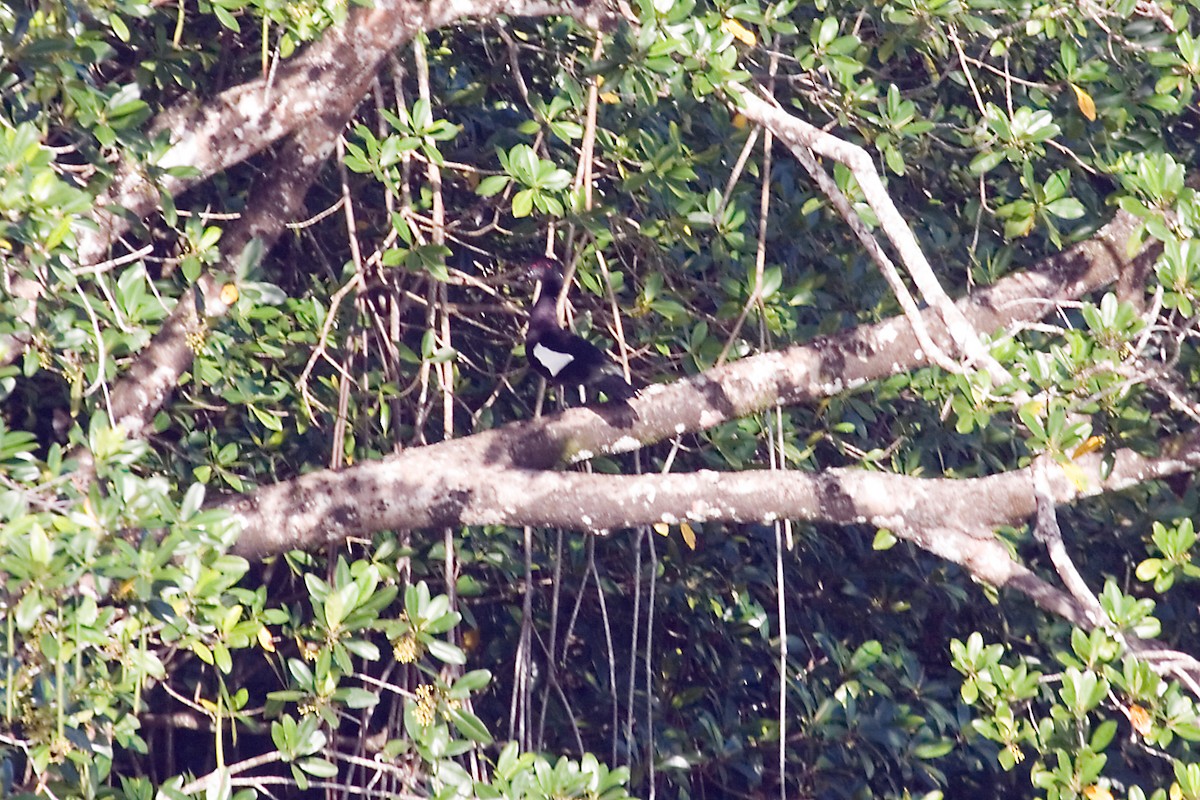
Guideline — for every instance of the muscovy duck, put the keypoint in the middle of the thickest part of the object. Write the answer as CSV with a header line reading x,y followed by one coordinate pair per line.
x,y
562,357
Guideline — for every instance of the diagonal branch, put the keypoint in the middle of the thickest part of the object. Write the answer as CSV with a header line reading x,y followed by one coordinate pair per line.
x,y
278,199
1047,531
804,140
248,118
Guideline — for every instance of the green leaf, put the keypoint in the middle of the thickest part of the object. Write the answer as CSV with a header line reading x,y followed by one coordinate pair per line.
x,y
318,767
473,681
884,540
522,203
119,27
986,161
355,697
40,548
1067,208
446,652
470,726
492,185
226,19
932,750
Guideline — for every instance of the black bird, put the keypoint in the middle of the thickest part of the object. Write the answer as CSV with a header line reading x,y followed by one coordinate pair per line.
x,y
562,357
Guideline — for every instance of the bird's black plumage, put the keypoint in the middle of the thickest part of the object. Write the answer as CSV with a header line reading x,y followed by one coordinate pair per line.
x,y
562,357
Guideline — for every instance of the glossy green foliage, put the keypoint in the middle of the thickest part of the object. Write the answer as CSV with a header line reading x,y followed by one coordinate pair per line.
x,y
1004,130
97,610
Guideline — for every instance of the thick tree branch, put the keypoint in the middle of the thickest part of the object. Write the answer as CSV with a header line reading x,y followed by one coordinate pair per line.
x,y
952,519
795,374
434,486
800,373
277,200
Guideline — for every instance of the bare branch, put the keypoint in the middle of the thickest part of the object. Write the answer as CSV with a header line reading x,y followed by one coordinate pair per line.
x,y
1047,532
804,139
454,483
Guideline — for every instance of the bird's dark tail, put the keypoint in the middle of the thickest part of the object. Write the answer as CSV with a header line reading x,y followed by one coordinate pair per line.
x,y
615,386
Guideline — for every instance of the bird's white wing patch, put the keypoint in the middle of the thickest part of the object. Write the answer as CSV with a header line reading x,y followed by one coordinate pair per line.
x,y
552,360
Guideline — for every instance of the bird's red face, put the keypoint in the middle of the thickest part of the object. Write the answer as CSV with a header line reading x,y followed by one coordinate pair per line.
x,y
541,267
